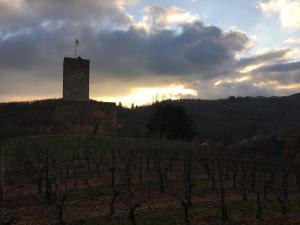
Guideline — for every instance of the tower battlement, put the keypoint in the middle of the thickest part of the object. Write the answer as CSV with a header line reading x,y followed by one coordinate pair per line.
x,y
76,74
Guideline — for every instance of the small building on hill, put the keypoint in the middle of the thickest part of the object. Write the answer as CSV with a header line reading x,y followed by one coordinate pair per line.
x,y
76,78
77,114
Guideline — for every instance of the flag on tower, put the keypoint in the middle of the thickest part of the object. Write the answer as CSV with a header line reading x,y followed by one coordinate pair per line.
x,y
76,42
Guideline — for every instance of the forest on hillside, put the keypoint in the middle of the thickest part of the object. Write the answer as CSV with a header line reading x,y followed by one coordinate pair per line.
x,y
232,119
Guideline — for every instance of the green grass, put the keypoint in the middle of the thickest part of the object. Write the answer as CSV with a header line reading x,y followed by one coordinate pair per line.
x,y
33,149
65,144
169,217
242,209
104,191
79,195
204,212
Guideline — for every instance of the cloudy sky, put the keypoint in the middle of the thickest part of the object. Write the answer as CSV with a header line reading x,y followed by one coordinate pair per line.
x,y
143,50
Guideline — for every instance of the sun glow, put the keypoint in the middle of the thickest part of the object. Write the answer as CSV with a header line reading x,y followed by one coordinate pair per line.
x,y
148,95
250,68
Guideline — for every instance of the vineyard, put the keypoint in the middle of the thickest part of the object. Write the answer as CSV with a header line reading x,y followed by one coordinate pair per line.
x,y
94,180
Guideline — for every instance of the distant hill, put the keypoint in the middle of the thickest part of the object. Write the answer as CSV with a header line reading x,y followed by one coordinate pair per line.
x,y
231,119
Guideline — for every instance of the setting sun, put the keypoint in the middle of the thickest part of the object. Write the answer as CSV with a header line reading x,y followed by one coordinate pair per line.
x,y
148,95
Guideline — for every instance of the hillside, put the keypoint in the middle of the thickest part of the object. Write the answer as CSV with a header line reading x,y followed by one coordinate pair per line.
x,y
98,179
232,119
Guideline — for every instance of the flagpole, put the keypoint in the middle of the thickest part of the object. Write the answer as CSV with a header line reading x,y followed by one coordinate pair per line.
x,y
75,48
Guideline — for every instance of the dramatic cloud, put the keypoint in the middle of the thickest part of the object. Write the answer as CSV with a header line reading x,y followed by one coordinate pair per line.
x,y
16,15
287,10
197,49
281,67
293,41
168,17
34,32
204,51
281,75
169,46
262,58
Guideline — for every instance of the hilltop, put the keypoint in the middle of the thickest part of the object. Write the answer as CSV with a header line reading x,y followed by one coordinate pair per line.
x,y
233,119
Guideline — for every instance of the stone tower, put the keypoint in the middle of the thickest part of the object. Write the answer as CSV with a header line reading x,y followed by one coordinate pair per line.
x,y
76,79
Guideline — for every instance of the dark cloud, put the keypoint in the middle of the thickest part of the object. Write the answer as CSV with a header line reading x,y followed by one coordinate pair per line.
x,y
198,49
284,73
267,57
35,36
16,15
280,67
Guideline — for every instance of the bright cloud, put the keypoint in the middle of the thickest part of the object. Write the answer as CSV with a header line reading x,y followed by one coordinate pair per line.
x,y
287,10
250,68
167,17
277,85
293,41
232,80
147,95
144,53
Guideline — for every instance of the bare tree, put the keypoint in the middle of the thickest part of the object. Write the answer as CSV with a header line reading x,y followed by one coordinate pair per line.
x,y
283,197
243,182
60,193
116,191
259,206
269,184
188,179
209,166
2,185
222,194
132,213
48,192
